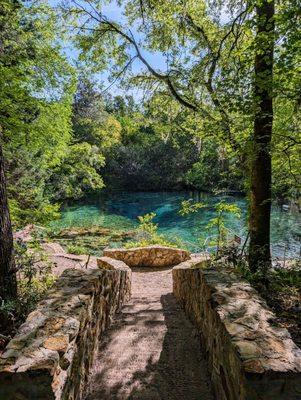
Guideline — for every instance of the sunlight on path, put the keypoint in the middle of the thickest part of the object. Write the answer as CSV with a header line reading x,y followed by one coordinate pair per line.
x,y
151,352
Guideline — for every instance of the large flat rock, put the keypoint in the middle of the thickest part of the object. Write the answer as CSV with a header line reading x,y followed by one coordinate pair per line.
x,y
149,256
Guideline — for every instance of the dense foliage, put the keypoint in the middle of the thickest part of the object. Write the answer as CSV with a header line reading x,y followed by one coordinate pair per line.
x,y
63,141
160,149
220,108
37,87
224,65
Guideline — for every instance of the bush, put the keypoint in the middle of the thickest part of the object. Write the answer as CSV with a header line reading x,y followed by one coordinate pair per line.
x,y
147,234
33,283
42,214
78,250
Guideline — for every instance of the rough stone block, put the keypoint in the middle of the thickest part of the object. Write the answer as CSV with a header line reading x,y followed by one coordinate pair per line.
x,y
149,256
110,264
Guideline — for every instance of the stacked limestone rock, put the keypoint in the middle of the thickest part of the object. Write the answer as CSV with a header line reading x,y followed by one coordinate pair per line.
x,y
249,356
52,353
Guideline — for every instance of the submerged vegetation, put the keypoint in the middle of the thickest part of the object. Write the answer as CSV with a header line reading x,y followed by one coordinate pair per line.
x,y
90,240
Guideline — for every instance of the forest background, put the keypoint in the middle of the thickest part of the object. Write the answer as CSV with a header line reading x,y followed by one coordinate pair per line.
x,y
66,135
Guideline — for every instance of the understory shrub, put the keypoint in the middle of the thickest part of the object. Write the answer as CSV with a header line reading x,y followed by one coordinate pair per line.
x,y
147,234
34,279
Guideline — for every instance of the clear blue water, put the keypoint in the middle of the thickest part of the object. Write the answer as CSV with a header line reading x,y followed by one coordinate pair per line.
x,y
120,211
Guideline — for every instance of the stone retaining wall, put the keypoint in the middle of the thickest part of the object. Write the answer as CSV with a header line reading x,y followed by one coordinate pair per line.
x,y
249,356
149,256
108,263
52,353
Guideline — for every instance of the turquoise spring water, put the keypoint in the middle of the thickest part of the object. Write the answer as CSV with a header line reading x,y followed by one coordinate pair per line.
x,y
120,211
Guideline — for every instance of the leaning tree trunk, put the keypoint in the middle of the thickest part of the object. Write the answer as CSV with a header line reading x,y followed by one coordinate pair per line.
x,y
8,283
261,168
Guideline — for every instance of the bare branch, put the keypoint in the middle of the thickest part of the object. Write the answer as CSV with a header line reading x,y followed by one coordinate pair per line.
x,y
120,74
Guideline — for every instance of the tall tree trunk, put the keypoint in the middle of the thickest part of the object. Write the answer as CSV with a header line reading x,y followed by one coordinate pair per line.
x,y
261,168
8,283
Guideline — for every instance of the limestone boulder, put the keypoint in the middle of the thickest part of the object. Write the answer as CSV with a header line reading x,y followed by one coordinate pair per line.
x,y
149,256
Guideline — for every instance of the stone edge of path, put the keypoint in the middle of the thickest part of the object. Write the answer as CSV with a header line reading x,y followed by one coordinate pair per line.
x,y
53,351
249,356
149,256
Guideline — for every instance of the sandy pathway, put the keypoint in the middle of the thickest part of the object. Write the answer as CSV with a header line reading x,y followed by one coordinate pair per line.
x,y
151,351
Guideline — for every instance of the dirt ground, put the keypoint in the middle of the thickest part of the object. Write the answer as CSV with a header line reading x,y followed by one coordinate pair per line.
x,y
151,351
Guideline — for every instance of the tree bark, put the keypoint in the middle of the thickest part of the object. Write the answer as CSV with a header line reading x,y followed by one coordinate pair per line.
x,y
8,282
261,168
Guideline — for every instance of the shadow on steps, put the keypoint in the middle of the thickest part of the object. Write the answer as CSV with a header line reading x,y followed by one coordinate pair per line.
x,y
152,352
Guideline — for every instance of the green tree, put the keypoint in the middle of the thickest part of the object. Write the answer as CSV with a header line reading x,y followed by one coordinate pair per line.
x,y
77,174
8,43
95,132
35,83
91,122
210,71
36,111
8,283
261,159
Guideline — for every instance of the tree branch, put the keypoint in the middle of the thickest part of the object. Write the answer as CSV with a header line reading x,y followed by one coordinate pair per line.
x,y
120,74
102,20
113,27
